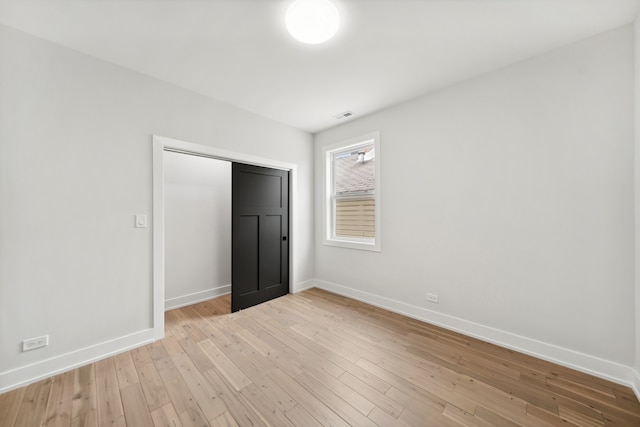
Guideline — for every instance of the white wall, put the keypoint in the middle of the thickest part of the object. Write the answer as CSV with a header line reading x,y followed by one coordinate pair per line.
x,y
637,205
75,166
197,228
511,197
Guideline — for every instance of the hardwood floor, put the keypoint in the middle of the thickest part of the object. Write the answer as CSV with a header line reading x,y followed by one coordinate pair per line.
x,y
317,359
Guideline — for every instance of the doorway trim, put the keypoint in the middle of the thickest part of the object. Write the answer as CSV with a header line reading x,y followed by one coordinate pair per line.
x,y
162,144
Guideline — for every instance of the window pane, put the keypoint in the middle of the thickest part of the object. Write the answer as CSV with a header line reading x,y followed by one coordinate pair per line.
x,y
355,217
355,171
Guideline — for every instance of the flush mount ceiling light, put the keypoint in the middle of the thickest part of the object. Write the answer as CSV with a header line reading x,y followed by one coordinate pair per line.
x,y
312,21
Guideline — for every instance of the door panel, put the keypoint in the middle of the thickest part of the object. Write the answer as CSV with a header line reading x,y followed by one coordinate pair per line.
x,y
265,190
244,242
270,264
260,229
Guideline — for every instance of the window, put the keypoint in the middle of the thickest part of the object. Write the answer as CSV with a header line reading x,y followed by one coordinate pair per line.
x,y
352,202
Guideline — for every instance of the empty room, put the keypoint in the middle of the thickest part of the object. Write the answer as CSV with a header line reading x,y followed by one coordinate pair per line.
x,y
319,213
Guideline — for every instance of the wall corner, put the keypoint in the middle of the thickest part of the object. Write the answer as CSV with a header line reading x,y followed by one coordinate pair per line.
x,y
636,379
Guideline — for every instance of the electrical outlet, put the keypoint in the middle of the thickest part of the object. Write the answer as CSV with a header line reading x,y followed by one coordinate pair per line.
x,y
34,343
432,298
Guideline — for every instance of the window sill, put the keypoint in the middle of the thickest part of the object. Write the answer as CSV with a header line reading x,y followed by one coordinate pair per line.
x,y
362,245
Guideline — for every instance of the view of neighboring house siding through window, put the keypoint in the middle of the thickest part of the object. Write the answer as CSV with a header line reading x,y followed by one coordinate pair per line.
x,y
352,203
354,192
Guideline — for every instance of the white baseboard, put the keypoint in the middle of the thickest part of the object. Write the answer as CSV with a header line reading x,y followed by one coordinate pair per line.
x,y
201,296
196,297
303,286
605,369
612,371
635,383
31,373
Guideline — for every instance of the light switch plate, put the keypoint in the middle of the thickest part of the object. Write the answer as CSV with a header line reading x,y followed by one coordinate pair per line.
x,y
141,221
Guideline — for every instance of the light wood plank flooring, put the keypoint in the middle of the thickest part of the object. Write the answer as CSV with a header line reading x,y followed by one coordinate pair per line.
x,y
316,359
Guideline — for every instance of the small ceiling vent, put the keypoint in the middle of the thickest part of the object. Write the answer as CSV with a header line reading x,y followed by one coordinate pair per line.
x,y
344,115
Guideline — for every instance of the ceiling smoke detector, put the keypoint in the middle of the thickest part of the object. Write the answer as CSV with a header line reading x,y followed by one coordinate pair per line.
x,y
344,115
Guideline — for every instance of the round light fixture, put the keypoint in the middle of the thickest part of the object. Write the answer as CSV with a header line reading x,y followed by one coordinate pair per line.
x,y
312,21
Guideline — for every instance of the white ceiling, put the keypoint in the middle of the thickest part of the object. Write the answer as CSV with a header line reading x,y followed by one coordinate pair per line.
x,y
386,51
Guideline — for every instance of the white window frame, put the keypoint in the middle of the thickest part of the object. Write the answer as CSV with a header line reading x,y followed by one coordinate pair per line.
x,y
328,233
